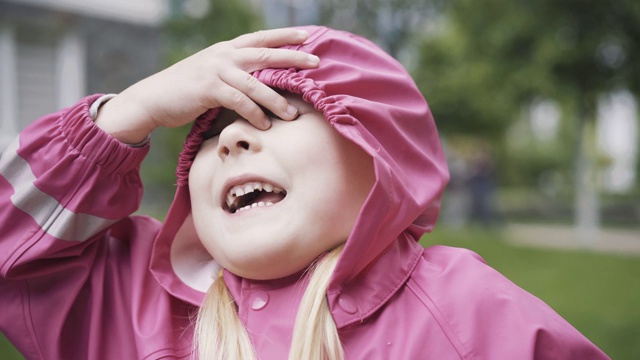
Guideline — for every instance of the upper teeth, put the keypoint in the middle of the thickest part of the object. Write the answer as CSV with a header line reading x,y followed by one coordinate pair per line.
x,y
243,189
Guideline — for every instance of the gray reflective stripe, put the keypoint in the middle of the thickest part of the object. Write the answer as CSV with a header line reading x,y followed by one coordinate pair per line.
x,y
52,217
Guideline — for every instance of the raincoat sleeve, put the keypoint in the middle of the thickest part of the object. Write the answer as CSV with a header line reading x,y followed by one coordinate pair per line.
x,y
66,192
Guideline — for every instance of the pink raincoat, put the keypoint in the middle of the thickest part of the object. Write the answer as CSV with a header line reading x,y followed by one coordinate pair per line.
x,y
81,278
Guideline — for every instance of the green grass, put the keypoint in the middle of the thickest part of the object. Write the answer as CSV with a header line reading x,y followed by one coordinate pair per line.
x,y
7,351
599,294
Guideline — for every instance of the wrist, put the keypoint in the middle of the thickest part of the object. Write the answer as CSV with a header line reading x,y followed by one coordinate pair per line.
x,y
96,105
122,121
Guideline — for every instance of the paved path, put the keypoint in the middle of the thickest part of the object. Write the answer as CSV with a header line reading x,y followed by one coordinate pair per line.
x,y
617,241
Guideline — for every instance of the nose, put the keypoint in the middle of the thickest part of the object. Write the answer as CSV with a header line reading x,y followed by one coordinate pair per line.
x,y
237,138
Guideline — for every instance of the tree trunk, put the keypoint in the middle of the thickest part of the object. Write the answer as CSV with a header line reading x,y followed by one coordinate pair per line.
x,y
587,204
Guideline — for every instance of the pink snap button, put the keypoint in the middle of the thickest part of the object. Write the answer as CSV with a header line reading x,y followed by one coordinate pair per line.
x,y
347,304
259,300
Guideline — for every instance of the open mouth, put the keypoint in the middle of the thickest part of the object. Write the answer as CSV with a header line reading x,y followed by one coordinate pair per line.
x,y
253,194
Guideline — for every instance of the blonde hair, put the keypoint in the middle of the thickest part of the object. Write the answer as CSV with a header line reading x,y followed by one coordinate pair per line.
x,y
219,334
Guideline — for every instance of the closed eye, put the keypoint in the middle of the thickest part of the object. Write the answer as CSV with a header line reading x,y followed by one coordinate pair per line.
x,y
227,117
269,114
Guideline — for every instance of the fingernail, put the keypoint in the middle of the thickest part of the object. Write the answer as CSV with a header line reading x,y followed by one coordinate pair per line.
x,y
266,124
314,60
291,110
303,34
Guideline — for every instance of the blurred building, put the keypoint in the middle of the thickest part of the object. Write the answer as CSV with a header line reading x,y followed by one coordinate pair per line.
x,y
283,13
53,52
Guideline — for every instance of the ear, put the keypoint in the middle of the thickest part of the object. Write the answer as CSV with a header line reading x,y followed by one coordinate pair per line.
x,y
190,261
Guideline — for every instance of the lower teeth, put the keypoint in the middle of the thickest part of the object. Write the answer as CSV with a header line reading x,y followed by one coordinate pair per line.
x,y
255,205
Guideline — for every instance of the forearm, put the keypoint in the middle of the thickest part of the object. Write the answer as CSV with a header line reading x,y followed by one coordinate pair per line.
x,y
218,76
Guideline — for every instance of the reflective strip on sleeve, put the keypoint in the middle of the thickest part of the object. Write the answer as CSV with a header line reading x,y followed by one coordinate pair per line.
x,y
52,217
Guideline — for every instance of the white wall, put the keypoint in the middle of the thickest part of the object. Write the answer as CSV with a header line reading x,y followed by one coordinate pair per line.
x,y
149,12
44,60
8,108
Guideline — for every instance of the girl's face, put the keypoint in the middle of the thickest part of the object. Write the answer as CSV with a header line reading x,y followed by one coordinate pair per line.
x,y
267,203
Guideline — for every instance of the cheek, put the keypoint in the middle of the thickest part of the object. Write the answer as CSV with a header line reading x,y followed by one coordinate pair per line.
x,y
201,175
198,189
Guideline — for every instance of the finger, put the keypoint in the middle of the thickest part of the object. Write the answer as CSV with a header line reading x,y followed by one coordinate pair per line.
x,y
252,59
260,94
270,38
235,100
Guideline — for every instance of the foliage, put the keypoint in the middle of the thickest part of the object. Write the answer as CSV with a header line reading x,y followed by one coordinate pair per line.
x,y
219,20
561,49
465,93
390,23
486,61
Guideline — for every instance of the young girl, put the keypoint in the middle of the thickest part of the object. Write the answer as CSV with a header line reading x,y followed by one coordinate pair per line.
x,y
299,241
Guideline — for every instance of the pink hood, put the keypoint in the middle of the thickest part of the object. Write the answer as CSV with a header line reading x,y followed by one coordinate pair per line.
x,y
369,98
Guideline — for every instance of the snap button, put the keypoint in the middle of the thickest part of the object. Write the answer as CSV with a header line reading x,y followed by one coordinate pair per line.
x,y
259,300
347,304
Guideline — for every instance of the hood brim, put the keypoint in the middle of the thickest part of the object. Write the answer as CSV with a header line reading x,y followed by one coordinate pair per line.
x,y
370,99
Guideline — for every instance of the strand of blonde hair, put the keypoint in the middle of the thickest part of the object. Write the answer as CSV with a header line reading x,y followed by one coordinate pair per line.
x,y
315,335
219,334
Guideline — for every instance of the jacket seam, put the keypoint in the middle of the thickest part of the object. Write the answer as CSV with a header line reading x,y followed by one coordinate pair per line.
x,y
28,319
444,325
7,266
373,309
167,353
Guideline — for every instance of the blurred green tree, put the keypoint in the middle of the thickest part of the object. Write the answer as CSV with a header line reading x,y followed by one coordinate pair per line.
x,y
196,24
486,61
390,23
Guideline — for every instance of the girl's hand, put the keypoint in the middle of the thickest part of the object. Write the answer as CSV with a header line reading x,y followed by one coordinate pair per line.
x,y
216,76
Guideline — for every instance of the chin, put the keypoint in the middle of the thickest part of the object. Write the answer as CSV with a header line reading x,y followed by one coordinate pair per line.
x,y
262,267
264,274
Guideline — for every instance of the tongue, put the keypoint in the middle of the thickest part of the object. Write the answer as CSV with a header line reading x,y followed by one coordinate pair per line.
x,y
269,197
